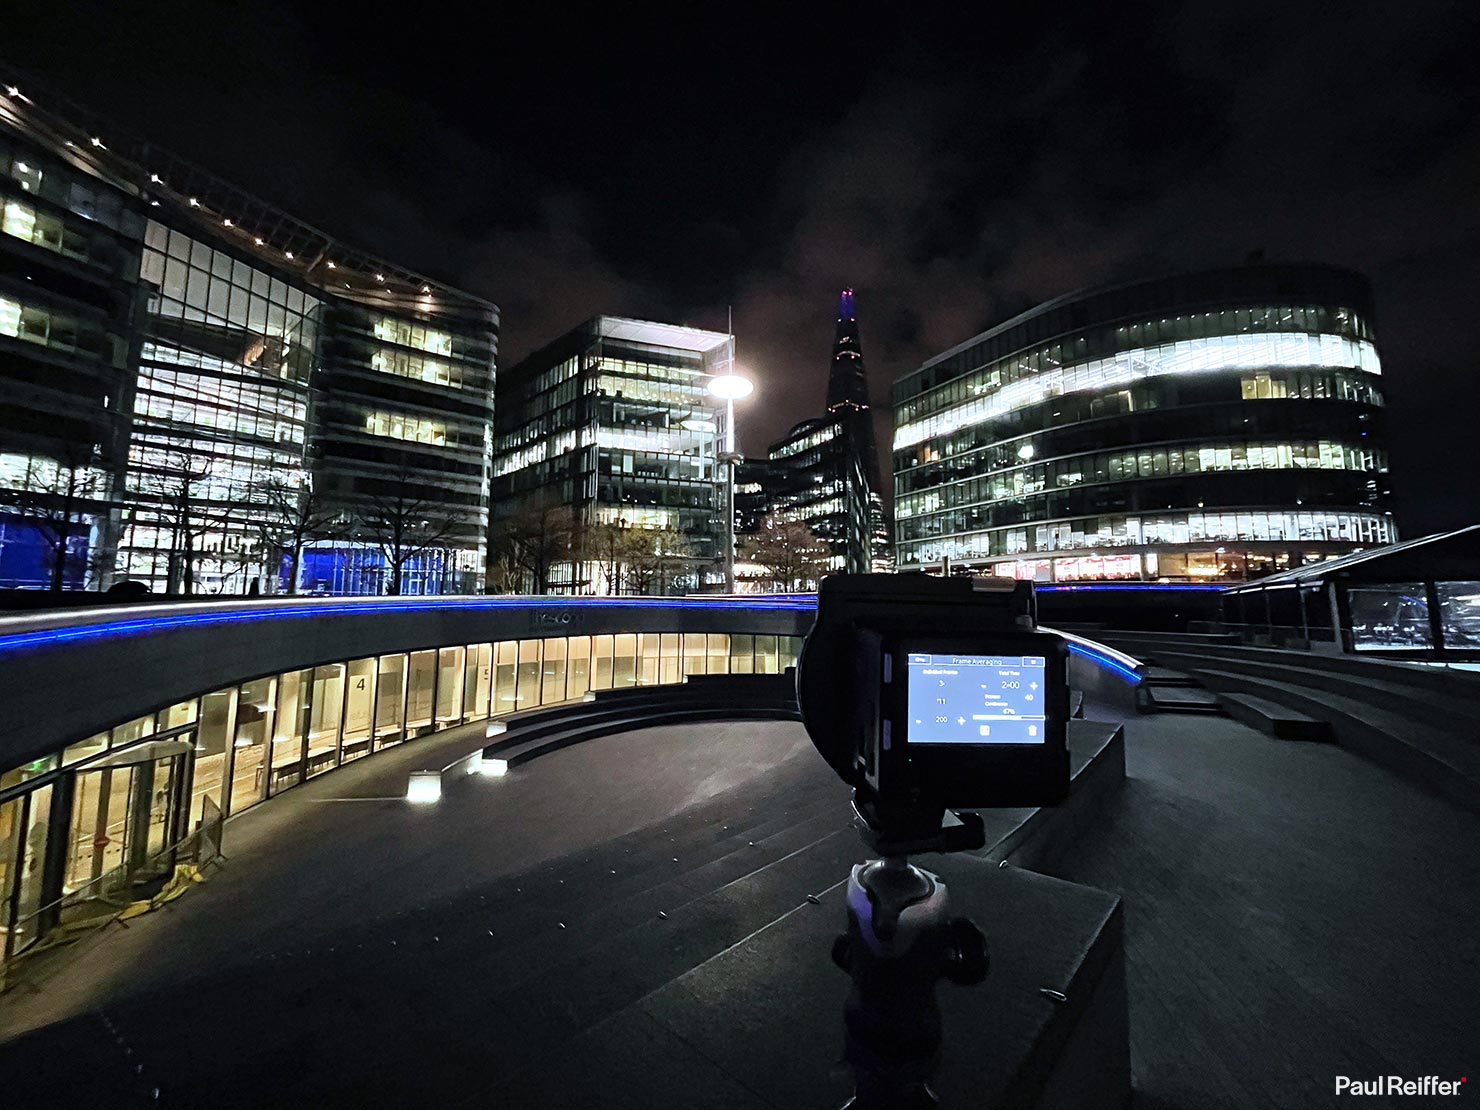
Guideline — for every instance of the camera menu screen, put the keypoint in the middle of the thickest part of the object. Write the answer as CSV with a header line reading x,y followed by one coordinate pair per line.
x,y
976,699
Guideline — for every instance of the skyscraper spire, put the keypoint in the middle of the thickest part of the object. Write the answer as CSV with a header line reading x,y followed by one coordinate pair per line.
x,y
847,384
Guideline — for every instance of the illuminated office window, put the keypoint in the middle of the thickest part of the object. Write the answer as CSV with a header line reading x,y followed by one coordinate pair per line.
x,y
421,683
478,683
553,671
390,701
527,693
601,662
578,666
649,655
295,688
450,670
359,708
624,660
695,653
256,706
505,690
326,713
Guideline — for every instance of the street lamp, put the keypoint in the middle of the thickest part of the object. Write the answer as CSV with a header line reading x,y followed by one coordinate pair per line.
x,y
730,388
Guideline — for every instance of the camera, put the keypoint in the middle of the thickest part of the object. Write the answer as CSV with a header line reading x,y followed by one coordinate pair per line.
x,y
927,693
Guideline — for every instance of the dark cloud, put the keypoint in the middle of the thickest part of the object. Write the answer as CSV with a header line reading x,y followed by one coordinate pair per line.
x,y
955,171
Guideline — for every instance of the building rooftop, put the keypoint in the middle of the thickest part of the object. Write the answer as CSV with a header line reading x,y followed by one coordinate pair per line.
x,y
658,334
162,179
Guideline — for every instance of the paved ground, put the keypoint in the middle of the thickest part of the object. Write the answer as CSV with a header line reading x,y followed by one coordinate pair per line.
x,y
345,849
1293,913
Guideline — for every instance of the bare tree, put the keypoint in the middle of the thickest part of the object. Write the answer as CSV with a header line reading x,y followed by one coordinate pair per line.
x,y
529,544
294,515
656,553
174,494
404,524
793,557
59,499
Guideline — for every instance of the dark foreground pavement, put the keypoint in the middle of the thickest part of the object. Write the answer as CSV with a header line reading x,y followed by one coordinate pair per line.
x,y
1292,913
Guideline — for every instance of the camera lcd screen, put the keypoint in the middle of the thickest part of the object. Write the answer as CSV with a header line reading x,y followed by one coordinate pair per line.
x,y
976,699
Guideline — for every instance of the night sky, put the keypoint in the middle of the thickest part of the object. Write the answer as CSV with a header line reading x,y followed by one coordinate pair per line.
x,y
565,164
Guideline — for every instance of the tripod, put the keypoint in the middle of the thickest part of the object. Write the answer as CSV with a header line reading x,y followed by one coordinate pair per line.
x,y
900,941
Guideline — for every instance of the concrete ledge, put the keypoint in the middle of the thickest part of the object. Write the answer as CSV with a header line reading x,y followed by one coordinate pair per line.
x,y
724,1026
1038,838
1273,719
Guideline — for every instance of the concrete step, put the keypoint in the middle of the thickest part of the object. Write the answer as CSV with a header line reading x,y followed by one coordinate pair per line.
x,y
521,747
1166,676
1274,719
1180,699
1443,762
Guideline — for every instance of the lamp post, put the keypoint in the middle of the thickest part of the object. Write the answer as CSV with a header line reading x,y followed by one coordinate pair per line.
x,y
729,388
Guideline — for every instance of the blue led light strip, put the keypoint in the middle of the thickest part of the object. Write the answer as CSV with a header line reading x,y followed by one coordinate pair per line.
x,y
1106,587
1105,661
144,625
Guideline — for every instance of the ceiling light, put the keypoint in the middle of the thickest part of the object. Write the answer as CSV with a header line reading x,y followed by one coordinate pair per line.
x,y
11,90
97,142
257,240
194,203
227,223
154,179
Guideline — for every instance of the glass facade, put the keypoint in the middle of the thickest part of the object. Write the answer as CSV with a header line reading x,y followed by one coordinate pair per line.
x,y
1196,438
126,797
213,366
614,422
220,415
69,244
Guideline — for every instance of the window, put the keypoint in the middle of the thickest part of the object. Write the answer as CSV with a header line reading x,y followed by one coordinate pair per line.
x,y
414,429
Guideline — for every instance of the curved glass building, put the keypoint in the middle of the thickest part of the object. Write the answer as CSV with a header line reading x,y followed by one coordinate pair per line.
x,y
203,393
1215,425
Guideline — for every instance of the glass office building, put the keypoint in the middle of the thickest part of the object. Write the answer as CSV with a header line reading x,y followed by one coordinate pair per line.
x,y
613,422
70,244
1217,425
216,371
